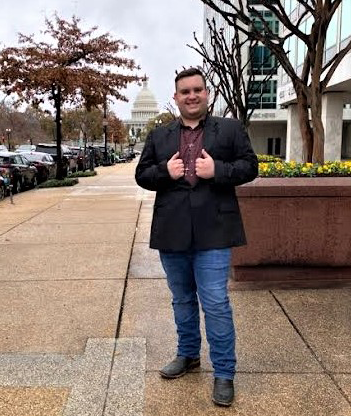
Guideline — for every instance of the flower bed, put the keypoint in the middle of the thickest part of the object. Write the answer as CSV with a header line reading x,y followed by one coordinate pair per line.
x,y
280,169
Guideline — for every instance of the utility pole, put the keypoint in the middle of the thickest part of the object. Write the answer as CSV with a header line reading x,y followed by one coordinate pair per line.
x,y
104,123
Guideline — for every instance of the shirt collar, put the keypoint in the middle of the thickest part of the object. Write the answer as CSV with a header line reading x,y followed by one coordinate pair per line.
x,y
201,123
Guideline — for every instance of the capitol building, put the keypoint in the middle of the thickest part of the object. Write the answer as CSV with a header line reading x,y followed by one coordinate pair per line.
x,y
145,107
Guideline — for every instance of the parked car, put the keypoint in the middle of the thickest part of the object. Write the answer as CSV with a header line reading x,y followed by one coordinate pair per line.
x,y
69,160
110,159
4,182
98,155
82,157
44,163
25,148
22,173
3,148
120,159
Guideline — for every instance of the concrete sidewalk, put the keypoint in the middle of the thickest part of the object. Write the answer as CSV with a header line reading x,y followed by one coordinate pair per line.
x,y
86,319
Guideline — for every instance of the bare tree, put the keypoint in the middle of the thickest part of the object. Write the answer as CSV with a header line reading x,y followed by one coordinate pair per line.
x,y
228,69
312,81
169,107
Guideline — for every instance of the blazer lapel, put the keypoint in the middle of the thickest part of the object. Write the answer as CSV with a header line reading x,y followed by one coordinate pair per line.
x,y
173,138
210,132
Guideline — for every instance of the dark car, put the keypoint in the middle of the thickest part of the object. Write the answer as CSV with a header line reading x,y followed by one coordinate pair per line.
x,y
69,160
22,173
109,155
82,157
44,163
98,156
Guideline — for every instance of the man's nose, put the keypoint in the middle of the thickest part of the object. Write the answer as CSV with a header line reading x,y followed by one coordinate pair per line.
x,y
192,94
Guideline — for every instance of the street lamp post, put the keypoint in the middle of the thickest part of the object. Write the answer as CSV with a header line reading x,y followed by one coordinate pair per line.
x,y
131,144
158,122
104,124
8,132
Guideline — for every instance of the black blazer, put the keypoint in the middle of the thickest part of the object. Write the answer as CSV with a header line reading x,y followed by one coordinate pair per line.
x,y
207,215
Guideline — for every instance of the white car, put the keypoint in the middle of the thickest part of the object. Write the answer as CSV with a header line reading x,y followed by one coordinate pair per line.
x,y
25,148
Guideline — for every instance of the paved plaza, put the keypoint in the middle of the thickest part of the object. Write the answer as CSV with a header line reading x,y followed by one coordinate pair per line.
x,y
86,319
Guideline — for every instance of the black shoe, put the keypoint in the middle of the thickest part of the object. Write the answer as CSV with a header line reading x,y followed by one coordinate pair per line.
x,y
179,366
223,391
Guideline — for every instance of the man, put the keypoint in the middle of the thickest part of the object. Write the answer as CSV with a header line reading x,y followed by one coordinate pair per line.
x,y
193,164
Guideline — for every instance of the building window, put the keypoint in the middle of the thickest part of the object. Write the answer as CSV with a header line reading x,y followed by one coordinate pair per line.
x,y
263,95
260,1
345,19
274,146
262,61
332,32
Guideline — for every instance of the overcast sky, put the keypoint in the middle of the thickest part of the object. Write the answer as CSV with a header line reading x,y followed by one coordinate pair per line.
x,y
160,28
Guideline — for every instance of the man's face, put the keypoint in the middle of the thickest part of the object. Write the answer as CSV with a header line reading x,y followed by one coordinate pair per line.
x,y
191,97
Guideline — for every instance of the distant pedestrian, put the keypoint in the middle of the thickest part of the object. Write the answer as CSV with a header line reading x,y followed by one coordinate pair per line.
x,y
193,164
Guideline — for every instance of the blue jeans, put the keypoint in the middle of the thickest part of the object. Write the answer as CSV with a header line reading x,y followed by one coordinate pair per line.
x,y
203,275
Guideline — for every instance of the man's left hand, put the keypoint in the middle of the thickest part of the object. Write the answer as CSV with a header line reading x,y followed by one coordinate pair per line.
x,y
204,166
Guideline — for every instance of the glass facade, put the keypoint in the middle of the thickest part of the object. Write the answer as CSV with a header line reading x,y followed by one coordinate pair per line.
x,y
338,34
263,94
345,20
262,61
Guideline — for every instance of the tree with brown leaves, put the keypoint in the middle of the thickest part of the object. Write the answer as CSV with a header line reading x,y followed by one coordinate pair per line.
x,y
75,68
117,131
311,82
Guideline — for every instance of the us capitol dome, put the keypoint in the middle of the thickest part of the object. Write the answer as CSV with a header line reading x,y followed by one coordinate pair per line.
x,y
145,107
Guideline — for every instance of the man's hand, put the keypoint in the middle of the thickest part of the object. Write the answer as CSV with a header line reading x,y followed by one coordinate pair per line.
x,y
175,167
204,166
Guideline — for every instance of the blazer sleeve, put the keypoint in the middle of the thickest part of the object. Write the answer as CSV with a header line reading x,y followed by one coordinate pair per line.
x,y
150,174
244,167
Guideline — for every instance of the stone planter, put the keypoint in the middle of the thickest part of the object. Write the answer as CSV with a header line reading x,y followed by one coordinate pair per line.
x,y
298,232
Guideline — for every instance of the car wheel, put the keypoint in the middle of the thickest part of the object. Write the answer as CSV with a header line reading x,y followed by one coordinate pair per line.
x,y
2,192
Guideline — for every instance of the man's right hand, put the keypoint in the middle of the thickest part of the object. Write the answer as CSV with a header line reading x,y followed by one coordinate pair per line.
x,y
175,167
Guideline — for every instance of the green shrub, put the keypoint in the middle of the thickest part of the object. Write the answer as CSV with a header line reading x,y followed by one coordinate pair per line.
x,y
268,158
54,183
82,174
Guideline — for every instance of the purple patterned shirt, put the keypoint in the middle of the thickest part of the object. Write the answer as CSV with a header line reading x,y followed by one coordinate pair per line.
x,y
191,144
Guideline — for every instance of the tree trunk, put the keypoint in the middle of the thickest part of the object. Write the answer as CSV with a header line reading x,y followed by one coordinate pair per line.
x,y
305,127
318,128
57,97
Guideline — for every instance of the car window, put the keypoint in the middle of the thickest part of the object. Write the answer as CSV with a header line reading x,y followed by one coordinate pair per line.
x,y
25,160
17,160
51,150
29,157
4,159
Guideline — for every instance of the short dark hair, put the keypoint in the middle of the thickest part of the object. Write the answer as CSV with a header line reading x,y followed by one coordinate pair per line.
x,y
189,73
